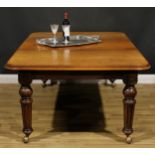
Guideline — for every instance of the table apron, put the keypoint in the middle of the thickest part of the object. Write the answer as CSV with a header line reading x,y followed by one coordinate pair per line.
x,y
66,75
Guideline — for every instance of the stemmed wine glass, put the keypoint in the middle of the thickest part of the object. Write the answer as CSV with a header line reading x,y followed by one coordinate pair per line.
x,y
54,29
66,30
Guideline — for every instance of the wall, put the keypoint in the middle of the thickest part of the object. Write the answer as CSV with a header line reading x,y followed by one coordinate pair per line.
x,y
17,23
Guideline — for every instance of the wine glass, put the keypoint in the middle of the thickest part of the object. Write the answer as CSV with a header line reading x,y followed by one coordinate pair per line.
x,y
66,30
54,29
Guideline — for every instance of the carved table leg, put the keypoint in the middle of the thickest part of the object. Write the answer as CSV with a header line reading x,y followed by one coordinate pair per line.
x,y
26,105
129,101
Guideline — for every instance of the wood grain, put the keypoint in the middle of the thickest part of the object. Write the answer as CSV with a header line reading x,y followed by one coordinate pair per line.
x,y
51,129
115,52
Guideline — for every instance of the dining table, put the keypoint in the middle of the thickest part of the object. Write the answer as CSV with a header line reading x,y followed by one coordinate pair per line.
x,y
115,57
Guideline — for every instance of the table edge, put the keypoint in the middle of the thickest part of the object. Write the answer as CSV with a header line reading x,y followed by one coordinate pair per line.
x,y
39,68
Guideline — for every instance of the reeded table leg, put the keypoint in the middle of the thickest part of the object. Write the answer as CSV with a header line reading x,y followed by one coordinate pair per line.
x,y
26,105
129,102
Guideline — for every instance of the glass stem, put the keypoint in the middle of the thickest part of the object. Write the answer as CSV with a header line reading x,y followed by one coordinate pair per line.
x,y
54,37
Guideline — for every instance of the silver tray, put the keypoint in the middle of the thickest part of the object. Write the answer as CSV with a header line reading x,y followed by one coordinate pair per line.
x,y
75,40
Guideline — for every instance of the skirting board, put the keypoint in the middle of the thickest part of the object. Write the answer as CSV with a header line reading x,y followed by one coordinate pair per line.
x,y
13,79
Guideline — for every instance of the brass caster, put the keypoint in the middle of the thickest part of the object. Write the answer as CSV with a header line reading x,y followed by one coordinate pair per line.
x,y
113,85
106,83
129,140
44,83
26,139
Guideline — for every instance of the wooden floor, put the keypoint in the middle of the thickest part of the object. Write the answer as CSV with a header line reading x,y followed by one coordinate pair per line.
x,y
81,115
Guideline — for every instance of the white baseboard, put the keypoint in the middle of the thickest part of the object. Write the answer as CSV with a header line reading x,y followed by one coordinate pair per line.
x,y
9,78
6,78
12,79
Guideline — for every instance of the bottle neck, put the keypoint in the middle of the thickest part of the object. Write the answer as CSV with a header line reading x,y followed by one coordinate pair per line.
x,y
66,16
66,20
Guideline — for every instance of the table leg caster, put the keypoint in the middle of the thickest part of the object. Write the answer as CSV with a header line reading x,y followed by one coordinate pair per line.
x,y
113,85
26,139
44,83
129,140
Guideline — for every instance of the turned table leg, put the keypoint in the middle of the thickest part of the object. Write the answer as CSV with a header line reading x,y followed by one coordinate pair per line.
x,y
129,102
26,105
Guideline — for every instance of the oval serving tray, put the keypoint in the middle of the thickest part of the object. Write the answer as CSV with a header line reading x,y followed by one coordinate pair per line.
x,y
75,40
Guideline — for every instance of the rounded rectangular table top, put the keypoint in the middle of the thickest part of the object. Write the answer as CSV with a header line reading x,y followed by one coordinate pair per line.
x,y
114,53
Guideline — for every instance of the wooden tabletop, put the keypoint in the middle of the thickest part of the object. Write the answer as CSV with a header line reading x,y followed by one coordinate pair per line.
x,y
114,53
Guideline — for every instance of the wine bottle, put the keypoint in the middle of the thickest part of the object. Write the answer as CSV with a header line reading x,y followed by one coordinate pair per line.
x,y
66,22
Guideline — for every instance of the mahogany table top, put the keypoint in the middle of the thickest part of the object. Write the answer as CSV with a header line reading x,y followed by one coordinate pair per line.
x,y
115,53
